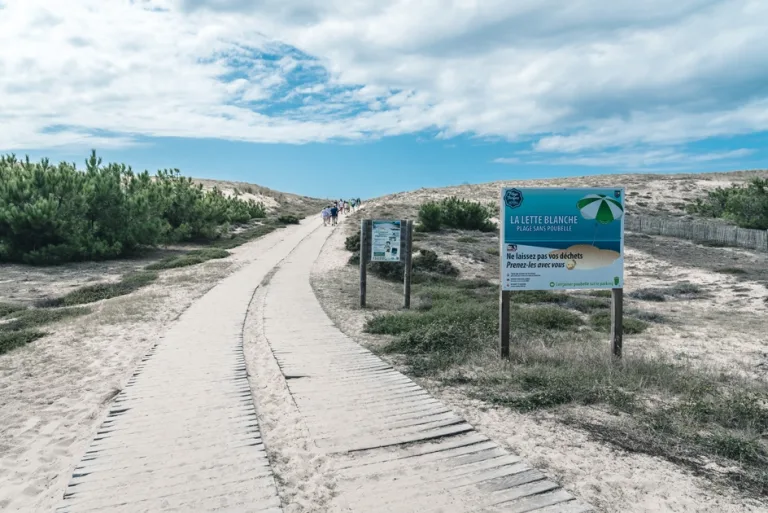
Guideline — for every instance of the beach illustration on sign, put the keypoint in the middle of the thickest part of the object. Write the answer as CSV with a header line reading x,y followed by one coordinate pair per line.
x,y
585,257
603,210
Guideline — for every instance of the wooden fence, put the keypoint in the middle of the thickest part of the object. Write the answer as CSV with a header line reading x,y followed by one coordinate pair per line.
x,y
700,231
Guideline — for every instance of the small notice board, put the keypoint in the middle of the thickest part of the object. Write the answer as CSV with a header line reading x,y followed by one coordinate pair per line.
x,y
385,241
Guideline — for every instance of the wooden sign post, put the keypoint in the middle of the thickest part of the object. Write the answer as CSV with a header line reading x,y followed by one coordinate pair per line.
x,y
408,261
365,252
617,321
404,255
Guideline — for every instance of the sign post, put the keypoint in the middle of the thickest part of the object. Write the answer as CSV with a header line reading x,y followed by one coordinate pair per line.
x,y
561,239
365,245
408,260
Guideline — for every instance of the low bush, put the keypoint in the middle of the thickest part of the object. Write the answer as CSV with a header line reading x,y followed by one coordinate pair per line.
x,y
746,205
352,243
455,213
288,219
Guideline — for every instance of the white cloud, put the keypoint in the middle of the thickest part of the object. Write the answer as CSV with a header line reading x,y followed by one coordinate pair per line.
x,y
634,160
592,75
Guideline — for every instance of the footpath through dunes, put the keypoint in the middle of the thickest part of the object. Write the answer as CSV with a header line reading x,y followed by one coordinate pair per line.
x,y
391,446
183,434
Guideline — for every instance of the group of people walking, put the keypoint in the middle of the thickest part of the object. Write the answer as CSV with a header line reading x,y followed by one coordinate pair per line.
x,y
332,212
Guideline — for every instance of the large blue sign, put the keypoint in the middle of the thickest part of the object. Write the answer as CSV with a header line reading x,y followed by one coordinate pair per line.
x,y
562,238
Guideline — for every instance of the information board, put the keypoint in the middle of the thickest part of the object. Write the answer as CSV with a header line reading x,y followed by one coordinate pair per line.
x,y
385,241
555,239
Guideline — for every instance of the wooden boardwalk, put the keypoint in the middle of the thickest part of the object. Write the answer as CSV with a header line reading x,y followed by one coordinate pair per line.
x,y
395,448
183,434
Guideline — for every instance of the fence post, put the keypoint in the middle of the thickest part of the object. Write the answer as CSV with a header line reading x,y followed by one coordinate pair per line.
x,y
365,251
408,255
617,321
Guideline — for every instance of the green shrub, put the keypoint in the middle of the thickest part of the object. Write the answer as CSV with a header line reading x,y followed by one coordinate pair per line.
x,y
455,213
427,261
430,217
352,243
288,219
745,205
54,214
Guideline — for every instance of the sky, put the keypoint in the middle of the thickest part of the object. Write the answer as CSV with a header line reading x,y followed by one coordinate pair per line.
x,y
361,98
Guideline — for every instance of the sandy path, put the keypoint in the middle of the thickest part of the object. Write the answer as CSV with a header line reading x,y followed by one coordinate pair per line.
x,y
183,435
389,445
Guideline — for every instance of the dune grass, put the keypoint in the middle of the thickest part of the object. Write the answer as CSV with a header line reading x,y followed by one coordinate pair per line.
x,y
21,327
92,293
194,257
560,359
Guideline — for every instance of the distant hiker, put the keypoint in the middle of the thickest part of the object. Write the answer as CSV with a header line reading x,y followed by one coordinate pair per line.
x,y
334,215
326,216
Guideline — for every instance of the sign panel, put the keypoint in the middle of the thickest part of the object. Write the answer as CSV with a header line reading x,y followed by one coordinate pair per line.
x,y
556,239
385,245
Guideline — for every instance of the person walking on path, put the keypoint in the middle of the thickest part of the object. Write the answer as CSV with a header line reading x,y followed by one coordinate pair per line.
x,y
334,215
326,213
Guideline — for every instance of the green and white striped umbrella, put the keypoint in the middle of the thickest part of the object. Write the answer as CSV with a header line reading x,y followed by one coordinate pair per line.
x,y
601,208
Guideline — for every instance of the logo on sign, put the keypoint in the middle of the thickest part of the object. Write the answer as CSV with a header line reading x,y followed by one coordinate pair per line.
x,y
511,248
513,198
617,193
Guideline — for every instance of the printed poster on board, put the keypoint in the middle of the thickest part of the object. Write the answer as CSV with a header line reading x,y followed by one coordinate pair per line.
x,y
555,239
385,245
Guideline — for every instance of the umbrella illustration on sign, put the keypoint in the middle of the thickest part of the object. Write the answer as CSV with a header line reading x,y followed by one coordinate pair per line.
x,y
601,208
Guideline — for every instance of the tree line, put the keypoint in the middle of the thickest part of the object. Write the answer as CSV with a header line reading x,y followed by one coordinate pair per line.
x,y
51,214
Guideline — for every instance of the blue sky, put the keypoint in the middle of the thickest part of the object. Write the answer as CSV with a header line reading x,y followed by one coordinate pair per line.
x,y
363,98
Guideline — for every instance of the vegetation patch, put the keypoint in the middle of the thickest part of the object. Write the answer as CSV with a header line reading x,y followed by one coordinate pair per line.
x,y
601,321
12,340
238,239
193,257
731,270
684,290
744,205
288,219
455,213
558,359
54,214
9,308
101,291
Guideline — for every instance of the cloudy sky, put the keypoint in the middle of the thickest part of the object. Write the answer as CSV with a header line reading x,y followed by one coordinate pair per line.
x,y
366,97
